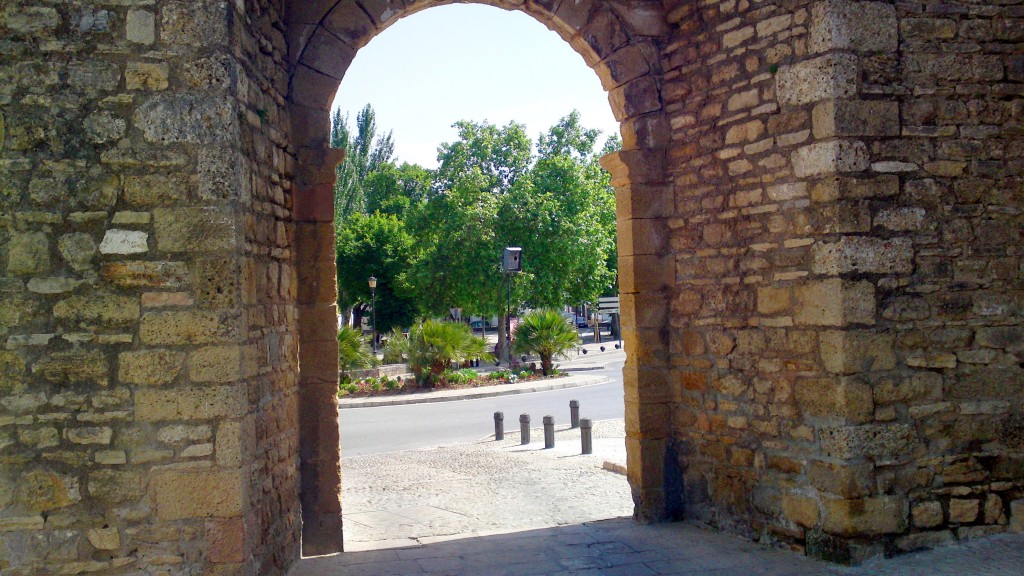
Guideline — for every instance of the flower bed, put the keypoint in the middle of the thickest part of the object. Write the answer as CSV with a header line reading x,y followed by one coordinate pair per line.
x,y
452,380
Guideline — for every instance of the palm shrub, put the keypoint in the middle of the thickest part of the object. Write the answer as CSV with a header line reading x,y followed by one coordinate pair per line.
x,y
354,351
396,347
435,345
546,334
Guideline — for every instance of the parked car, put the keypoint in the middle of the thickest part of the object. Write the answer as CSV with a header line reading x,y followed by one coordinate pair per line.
x,y
581,322
480,324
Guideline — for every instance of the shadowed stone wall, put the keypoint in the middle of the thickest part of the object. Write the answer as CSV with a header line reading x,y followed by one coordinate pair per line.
x,y
819,209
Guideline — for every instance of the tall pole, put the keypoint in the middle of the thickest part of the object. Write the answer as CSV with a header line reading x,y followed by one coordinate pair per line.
x,y
373,313
508,321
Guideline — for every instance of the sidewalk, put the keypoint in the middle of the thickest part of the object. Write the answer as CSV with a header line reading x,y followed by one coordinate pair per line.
x,y
499,508
577,367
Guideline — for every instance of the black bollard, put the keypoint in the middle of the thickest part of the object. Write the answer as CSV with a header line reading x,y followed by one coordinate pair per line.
x,y
499,425
574,413
549,431
586,429
524,429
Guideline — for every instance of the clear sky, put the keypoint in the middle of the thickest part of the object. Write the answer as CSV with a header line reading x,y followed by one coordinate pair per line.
x,y
469,62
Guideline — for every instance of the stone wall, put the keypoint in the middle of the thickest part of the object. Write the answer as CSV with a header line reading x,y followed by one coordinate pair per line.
x,y
847,316
148,403
819,209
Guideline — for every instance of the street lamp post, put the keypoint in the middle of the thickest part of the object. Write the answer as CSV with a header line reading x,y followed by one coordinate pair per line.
x,y
373,313
511,263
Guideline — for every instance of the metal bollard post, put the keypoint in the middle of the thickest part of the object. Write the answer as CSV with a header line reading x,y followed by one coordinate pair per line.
x,y
499,425
524,429
549,431
586,429
574,413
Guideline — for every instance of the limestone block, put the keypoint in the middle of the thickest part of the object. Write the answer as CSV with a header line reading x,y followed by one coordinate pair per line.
x,y
94,75
156,404
188,23
117,241
111,457
146,76
216,364
829,76
834,302
635,98
854,351
848,398
974,382
195,229
189,118
77,249
801,509
853,25
855,118
140,27
830,157
179,494
864,255
882,441
179,433
225,541
866,516
73,366
145,274
42,490
102,127
149,367
1017,516
115,486
963,510
152,190
993,512
98,309
197,450
90,435
178,327
847,480
927,514
53,285
772,300
28,253
104,538
1009,338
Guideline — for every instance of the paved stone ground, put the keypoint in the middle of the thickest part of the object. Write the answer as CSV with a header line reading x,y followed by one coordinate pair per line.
x,y
497,508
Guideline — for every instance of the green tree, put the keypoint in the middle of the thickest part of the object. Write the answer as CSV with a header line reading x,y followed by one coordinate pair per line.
x,y
364,153
395,190
547,334
376,245
485,155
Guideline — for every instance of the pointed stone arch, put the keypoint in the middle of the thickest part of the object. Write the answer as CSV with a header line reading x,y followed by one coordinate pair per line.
x,y
621,43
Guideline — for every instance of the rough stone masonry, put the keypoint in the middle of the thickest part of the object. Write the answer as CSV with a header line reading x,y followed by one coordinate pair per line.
x,y
819,216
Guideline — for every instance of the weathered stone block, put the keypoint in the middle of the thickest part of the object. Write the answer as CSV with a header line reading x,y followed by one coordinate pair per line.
x,y
188,327
963,510
854,351
117,241
146,76
98,309
215,364
851,25
180,433
226,541
864,255
887,442
188,23
73,367
771,300
116,486
927,514
145,274
151,190
149,367
834,302
104,538
856,118
189,118
42,490
28,253
1017,516
1010,338
866,516
801,509
830,157
140,27
847,398
180,494
156,404
195,229
90,435
847,479
830,76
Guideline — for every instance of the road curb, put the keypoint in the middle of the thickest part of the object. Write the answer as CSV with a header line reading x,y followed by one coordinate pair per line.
x,y
474,393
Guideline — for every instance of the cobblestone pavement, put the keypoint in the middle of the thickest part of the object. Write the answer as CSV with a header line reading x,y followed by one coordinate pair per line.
x,y
498,508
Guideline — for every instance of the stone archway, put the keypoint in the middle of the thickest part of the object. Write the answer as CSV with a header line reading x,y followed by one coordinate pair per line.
x,y
621,45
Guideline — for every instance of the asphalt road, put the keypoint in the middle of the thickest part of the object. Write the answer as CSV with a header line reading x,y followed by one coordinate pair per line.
x,y
411,426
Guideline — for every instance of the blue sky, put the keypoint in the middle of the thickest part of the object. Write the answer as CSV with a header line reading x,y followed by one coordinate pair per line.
x,y
469,62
